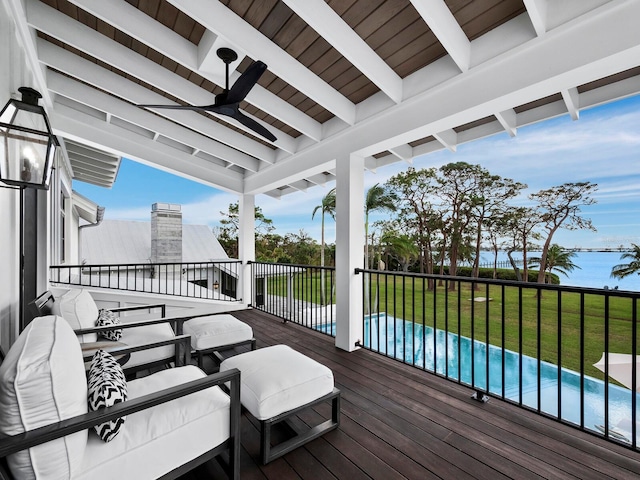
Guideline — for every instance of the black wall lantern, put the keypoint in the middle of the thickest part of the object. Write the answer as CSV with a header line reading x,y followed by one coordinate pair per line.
x,y
27,150
28,144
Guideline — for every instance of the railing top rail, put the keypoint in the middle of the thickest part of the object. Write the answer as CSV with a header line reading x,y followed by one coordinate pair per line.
x,y
513,283
292,265
91,265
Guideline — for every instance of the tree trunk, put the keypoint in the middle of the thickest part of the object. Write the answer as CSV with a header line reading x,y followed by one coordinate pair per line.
x,y
514,265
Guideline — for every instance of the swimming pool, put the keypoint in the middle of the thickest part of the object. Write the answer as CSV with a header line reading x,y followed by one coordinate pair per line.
x,y
414,344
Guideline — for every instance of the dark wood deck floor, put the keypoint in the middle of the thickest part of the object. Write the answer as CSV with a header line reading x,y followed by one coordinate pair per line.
x,y
399,422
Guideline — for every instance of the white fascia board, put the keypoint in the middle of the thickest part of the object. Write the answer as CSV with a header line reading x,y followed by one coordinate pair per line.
x,y
324,20
224,22
622,89
445,27
82,93
571,99
580,52
427,148
537,10
508,120
90,130
67,30
140,26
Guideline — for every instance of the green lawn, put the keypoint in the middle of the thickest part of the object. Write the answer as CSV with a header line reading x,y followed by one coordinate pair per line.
x,y
541,318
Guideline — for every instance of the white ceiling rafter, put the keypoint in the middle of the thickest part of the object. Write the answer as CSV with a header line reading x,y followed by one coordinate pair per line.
x,y
324,20
537,10
444,26
448,139
84,128
571,99
84,94
222,21
143,28
403,152
63,28
509,121
607,40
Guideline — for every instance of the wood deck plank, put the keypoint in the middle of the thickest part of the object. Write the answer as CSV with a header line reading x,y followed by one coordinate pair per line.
x,y
400,422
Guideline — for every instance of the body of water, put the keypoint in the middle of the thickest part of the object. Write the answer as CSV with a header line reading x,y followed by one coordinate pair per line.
x,y
517,377
594,272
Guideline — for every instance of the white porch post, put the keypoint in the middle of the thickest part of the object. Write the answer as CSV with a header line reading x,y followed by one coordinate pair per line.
x,y
246,244
349,249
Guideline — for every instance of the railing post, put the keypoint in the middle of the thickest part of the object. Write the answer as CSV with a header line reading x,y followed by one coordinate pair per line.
x,y
246,246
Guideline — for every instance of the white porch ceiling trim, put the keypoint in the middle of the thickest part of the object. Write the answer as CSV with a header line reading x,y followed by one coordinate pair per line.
x,y
223,22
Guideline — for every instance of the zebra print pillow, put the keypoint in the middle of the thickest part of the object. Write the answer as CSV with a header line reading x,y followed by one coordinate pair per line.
x,y
107,386
108,318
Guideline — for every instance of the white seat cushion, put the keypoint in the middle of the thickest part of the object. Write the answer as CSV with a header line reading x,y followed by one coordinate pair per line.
x,y
42,381
277,379
157,440
148,334
216,330
79,309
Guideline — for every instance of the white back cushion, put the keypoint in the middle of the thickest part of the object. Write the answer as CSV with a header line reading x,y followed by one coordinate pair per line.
x,y
43,381
79,309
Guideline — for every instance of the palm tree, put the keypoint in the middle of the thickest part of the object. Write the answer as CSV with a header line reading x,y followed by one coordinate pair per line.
x,y
328,206
378,198
558,259
625,269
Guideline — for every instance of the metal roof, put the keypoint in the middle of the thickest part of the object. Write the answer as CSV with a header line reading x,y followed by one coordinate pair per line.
x,y
387,80
122,241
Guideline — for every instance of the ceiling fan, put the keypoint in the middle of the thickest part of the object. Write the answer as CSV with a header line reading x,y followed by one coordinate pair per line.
x,y
227,102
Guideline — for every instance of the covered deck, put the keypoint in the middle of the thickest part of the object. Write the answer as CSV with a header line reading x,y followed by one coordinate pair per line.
x,y
400,422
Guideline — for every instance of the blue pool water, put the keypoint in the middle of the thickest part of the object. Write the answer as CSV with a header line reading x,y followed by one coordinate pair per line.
x,y
453,356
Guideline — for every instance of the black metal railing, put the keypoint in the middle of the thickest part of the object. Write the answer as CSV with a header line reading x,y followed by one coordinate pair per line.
x,y
530,344
302,294
216,280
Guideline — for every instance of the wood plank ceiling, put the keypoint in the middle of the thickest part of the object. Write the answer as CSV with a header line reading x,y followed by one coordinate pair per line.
x,y
333,67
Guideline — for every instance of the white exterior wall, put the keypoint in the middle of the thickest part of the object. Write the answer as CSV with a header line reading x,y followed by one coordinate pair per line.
x,y
17,72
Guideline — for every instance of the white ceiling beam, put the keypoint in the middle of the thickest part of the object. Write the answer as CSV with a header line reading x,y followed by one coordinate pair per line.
x,y
445,27
448,139
145,29
595,45
222,21
537,10
65,29
404,152
508,120
83,128
571,99
86,95
324,20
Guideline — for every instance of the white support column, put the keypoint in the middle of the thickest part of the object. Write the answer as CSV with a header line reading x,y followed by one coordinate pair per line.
x,y
349,250
246,244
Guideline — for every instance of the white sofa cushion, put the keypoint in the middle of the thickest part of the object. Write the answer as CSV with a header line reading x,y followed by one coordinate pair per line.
x,y
148,334
42,381
79,309
277,379
157,440
107,387
216,330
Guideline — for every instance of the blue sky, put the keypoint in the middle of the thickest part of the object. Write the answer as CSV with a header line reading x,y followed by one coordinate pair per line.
x,y
602,147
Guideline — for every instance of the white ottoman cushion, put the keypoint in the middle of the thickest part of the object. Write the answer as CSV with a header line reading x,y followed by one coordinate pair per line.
x,y
277,379
43,381
216,330
79,309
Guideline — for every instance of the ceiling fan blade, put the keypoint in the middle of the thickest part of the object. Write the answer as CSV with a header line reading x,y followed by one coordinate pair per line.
x,y
246,82
206,108
253,125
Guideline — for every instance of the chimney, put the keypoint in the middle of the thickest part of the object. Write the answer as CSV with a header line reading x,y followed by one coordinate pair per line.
x,y
166,233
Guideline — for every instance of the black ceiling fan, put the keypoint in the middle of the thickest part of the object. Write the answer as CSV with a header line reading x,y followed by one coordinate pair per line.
x,y
227,102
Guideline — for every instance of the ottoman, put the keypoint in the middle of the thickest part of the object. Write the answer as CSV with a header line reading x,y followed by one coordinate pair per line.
x,y
278,382
215,333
